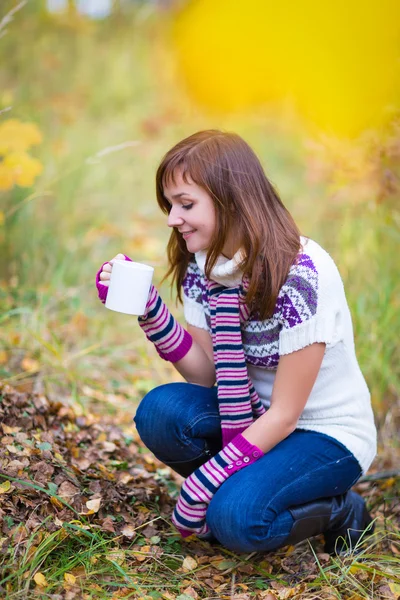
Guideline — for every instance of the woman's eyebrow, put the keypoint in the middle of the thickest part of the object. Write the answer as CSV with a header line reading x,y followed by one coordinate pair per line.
x,y
177,196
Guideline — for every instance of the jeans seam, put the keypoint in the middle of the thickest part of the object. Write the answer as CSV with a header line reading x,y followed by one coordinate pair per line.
x,y
312,472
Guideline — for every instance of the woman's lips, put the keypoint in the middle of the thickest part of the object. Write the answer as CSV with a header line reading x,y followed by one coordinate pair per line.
x,y
187,234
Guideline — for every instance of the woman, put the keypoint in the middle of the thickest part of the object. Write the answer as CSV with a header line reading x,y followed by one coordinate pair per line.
x,y
271,452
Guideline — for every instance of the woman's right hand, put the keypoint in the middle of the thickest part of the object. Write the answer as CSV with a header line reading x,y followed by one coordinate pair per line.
x,y
103,276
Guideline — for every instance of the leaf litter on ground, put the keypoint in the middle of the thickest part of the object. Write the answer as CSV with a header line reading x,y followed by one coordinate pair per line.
x,y
66,474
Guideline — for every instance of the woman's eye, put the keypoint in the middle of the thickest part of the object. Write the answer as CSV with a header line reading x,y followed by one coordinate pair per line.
x,y
187,206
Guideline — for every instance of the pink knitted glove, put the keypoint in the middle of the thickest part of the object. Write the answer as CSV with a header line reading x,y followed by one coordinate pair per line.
x,y
199,488
101,288
171,340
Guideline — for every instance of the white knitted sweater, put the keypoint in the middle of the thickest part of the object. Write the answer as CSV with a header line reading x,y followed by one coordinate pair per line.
x,y
311,307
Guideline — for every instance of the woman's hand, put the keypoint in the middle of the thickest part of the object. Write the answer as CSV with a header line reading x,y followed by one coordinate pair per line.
x,y
104,274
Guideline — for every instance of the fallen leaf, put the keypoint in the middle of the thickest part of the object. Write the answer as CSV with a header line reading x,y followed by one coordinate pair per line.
x,y
30,364
189,564
141,553
40,580
5,487
117,556
323,557
93,505
128,531
191,592
109,446
8,429
69,578
56,502
108,525
67,490
222,565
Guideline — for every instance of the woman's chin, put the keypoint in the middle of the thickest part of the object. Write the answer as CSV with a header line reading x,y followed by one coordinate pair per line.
x,y
194,247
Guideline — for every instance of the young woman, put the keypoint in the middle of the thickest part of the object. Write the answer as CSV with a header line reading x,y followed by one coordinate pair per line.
x,y
274,424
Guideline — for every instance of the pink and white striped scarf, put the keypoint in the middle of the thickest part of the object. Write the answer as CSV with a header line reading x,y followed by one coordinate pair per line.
x,y
238,401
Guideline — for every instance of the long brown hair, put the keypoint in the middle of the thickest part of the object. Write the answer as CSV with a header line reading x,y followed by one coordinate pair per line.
x,y
227,168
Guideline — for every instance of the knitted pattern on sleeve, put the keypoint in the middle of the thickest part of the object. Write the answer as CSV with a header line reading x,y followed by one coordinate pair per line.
x,y
296,303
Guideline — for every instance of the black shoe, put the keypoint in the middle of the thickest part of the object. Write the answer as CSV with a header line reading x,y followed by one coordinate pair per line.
x,y
349,519
342,520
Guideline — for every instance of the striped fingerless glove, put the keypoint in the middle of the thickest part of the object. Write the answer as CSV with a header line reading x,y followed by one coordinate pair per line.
x,y
189,515
171,340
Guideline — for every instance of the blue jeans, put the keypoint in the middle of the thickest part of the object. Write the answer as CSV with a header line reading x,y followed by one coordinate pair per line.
x,y
180,424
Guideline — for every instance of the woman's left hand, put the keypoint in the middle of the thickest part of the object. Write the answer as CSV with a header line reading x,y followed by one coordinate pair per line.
x,y
199,488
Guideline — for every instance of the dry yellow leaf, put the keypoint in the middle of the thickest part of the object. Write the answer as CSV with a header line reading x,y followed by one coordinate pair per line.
x,y
8,429
69,578
189,564
56,502
108,474
40,580
5,487
143,509
388,483
94,505
3,356
30,364
117,556
125,478
142,554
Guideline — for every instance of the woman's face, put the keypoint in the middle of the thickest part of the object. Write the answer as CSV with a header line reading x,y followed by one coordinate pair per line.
x,y
192,213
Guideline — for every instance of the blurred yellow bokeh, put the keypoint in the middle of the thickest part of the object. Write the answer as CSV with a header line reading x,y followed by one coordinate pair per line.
x,y
338,63
16,166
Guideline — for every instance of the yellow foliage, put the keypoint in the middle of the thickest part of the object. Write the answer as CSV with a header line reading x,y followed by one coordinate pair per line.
x,y
339,63
23,168
16,136
6,178
16,166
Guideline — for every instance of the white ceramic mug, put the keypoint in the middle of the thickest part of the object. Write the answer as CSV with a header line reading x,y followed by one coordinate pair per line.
x,y
129,287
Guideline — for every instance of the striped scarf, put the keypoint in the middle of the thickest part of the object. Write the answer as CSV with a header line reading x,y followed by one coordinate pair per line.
x,y
238,401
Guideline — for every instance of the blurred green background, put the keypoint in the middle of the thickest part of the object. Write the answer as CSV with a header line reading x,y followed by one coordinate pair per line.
x,y
109,97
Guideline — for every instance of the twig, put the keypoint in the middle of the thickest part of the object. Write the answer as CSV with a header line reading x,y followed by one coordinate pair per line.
x,y
6,20
378,476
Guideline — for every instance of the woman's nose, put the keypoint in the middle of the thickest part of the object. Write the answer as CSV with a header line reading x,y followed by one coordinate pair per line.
x,y
174,218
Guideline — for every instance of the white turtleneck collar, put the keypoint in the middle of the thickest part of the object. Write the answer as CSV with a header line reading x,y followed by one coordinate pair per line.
x,y
225,271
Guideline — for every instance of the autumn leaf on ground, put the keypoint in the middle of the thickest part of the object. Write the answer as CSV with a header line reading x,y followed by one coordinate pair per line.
x,y
40,580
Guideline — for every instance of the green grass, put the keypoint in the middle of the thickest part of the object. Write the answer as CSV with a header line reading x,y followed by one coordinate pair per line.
x,y
103,567
91,87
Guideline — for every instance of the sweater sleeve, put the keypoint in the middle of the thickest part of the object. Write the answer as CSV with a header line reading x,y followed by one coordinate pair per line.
x,y
195,297
309,305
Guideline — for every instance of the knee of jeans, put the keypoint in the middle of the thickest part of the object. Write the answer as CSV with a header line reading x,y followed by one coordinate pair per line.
x,y
237,527
158,418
